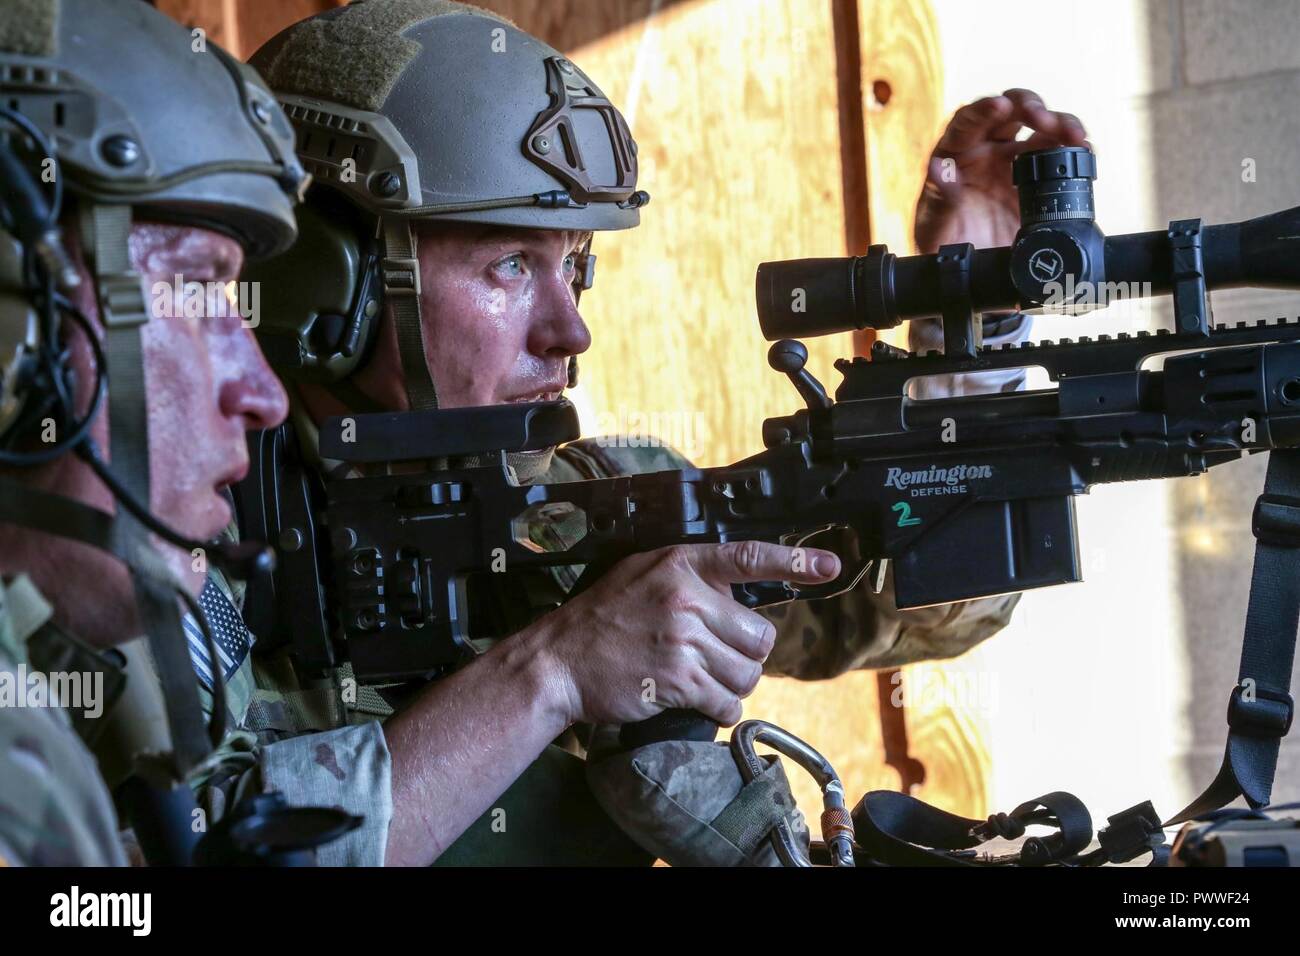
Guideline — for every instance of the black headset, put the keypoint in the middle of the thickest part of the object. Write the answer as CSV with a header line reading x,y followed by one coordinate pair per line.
x,y
39,382
322,299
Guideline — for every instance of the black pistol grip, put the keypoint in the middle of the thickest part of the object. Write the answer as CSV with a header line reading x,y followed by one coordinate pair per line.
x,y
676,723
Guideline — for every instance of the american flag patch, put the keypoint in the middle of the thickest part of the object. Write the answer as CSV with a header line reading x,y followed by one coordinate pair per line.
x,y
231,637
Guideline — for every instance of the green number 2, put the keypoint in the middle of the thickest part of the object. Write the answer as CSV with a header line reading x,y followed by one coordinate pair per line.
x,y
905,519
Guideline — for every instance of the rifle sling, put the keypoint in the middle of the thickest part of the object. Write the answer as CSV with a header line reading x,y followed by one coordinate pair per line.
x,y
1260,707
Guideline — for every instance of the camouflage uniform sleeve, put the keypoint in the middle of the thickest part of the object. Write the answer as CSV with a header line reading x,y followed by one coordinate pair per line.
x,y
861,630
54,807
347,767
299,742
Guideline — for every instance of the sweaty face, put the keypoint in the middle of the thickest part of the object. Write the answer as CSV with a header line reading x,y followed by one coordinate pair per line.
x,y
499,317
205,383
206,379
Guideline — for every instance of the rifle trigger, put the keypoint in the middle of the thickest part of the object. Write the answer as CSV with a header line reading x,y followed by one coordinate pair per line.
x,y
762,593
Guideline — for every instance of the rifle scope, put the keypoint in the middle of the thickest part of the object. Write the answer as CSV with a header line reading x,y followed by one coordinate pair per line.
x,y
1059,260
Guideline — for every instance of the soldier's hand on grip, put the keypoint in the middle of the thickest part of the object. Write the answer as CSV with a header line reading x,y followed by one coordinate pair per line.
x,y
661,630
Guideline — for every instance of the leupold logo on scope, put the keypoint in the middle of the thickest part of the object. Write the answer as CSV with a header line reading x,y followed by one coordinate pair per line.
x,y
1046,264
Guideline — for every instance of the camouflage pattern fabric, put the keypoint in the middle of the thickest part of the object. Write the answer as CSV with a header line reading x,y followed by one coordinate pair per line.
x,y
54,807
302,743
671,797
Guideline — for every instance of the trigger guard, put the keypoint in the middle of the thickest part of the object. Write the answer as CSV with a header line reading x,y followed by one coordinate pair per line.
x,y
763,593
848,579
768,593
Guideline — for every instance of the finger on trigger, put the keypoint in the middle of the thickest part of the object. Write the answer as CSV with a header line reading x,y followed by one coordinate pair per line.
x,y
813,566
742,562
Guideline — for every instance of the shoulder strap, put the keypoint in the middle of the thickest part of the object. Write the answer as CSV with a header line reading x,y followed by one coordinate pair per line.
x,y
106,232
900,830
1260,708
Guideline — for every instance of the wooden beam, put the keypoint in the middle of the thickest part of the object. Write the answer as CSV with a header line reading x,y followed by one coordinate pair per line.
x,y
241,26
216,18
853,144
569,25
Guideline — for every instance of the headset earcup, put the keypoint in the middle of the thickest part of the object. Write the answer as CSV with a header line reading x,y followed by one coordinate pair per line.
x,y
319,303
19,342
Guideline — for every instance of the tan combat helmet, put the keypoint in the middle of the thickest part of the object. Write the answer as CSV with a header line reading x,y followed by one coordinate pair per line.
x,y
425,110
113,104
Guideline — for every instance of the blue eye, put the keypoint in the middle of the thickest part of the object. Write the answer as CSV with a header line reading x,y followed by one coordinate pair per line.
x,y
570,262
513,265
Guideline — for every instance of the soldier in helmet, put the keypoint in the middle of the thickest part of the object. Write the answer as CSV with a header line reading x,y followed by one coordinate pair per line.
x,y
122,419
462,168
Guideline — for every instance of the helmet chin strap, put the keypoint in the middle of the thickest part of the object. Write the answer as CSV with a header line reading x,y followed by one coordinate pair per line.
x,y
586,277
400,271
33,218
159,777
